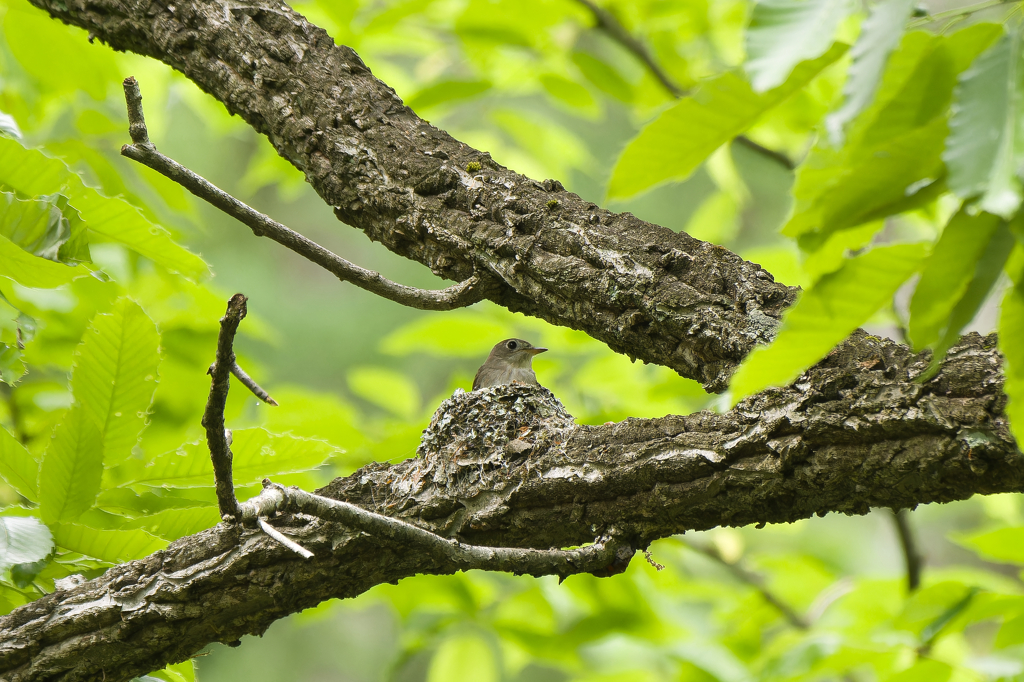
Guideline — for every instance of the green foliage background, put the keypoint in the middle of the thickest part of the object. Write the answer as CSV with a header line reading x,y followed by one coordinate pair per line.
x,y
908,136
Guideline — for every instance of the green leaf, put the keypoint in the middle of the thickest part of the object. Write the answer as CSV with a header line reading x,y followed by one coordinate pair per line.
x,y
1011,331
31,173
257,454
33,271
69,475
17,467
783,33
23,540
891,160
604,76
986,274
826,314
567,91
12,366
9,127
172,524
388,389
985,148
44,226
1004,545
948,271
447,91
179,672
676,142
924,670
126,502
463,658
879,34
114,376
111,546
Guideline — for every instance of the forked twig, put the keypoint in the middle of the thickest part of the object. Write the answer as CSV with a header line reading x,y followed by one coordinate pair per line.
x,y
142,150
213,416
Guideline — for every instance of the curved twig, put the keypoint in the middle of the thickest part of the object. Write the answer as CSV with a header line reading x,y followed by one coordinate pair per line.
x,y
142,150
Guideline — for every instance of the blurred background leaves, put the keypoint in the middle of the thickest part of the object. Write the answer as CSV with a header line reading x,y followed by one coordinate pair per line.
x,y
904,127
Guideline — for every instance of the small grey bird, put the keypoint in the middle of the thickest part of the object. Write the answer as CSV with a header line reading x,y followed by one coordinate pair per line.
x,y
509,362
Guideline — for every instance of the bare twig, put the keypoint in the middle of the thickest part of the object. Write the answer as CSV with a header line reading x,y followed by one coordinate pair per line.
x,y
610,24
251,384
283,539
142,150
213,417
597,558
911,557
757,582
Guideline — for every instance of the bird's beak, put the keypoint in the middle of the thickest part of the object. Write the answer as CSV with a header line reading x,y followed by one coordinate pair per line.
x,y
537,351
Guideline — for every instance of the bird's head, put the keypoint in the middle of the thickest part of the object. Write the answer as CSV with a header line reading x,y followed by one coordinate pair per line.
x,y
515,352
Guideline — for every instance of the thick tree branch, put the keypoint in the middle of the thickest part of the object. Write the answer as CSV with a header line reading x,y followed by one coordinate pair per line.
x,y
520,473
142,150
648,292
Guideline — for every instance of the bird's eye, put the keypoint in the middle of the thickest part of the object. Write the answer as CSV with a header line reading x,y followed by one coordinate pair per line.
x,y
512,345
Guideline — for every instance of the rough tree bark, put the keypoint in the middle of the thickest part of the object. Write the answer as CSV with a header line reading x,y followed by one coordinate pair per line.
x,y
853,432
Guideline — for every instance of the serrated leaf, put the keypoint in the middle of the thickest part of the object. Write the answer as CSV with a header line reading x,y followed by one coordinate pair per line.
x,y
986,274
32,173
12,367
985,148
114,376
674,144
179,672
17,467
172,524
947,272
45,226
257,454
127,502
783,33
23,540
110,546
891,160
69,475
879,34
33,271
826,314
1011,331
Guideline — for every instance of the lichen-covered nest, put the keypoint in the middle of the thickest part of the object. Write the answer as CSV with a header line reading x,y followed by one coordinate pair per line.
x,y
479,443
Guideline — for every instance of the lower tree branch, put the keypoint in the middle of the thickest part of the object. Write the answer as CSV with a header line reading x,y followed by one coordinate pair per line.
x,y
508,467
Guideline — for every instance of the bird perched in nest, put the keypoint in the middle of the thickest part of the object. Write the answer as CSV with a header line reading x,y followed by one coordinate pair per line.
x,y
510,362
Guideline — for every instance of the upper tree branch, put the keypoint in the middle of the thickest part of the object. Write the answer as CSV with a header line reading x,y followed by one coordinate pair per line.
x,y
646,291
844,438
